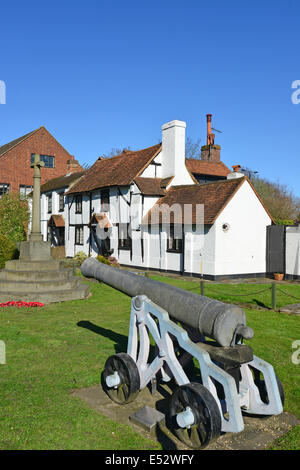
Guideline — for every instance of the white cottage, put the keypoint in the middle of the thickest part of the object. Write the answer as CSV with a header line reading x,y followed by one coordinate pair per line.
x,y
55,209
230,241
124,206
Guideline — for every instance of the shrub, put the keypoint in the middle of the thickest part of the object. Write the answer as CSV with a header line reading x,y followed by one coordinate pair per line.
x,y
110,261
102,259
8,250
14,216
80,257
284,222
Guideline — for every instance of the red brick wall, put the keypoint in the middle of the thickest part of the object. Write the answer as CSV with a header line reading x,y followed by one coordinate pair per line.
x,y
15,164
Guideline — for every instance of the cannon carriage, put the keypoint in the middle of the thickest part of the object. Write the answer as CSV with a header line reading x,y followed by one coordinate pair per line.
x,y
188,328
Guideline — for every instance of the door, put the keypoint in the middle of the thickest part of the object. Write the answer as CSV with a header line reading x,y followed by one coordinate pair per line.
x,y
276,249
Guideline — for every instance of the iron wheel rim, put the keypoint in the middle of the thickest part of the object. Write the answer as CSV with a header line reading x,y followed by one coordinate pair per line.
x,y
127,370
207,418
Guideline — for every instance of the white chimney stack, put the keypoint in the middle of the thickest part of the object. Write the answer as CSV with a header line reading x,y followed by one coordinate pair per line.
x,y
173,153
236,173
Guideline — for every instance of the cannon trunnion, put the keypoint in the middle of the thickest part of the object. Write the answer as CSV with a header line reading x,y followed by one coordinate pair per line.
x,y
188,330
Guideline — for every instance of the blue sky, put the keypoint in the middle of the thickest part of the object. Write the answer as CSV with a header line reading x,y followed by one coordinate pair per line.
x,y
102,74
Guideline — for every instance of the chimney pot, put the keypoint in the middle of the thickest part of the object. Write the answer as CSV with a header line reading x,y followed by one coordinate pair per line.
x,y
210,152
208,121
236,168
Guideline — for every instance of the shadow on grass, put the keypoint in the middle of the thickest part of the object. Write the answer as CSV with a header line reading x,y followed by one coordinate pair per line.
x,y
260,304
119,340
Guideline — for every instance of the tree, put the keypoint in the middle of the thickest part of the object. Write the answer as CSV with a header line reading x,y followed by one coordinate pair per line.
x,y
192,149
114,151
86,166
281,202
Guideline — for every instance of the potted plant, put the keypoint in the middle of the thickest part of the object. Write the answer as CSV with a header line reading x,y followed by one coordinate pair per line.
x,y
278,276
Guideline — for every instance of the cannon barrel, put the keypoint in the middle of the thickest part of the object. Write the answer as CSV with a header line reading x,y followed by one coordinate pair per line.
x,y
210,317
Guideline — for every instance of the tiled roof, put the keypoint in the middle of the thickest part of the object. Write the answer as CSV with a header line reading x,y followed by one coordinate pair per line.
x,y
101,220
5,148
166,181
214,196
151,186
61,181
202,167
57,220
120,170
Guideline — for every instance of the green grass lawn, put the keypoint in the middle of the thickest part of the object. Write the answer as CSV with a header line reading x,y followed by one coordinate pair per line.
x,y
55,349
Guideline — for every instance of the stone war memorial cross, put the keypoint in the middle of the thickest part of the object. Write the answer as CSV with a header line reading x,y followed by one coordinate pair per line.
x,y
35,248
36,276
36,200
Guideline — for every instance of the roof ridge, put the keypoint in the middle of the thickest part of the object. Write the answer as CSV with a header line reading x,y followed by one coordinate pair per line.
x,y
107,172
204,161
209,183
150,177
18,140
130,152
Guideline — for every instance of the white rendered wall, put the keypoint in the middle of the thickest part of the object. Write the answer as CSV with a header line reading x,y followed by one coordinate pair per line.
x,y
154,169
199,250
78,219
44,216
293,251
242,248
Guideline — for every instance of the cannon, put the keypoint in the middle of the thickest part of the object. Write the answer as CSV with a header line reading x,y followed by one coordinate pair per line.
x,y
188,329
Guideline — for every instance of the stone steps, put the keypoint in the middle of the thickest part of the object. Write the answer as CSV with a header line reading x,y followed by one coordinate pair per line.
x,y
10,274
40,279
38,286
44,265
46,297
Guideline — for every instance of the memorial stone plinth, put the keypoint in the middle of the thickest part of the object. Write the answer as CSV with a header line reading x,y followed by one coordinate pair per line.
x,y
35,251
36,276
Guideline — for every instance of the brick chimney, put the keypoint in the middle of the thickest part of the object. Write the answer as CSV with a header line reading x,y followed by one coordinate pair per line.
x,y
210,152
73,165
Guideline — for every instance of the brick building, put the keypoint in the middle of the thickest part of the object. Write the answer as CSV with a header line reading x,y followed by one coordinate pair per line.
x,y
16,175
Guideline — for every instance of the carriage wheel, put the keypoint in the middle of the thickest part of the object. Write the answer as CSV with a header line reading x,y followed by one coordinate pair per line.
x,y
121,378
194,415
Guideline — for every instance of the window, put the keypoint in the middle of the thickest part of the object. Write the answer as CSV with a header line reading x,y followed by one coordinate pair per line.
x,y
49,200
79,235
174,245
25,190
47,159
78,204
4,188
124,237
105,200
61,202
